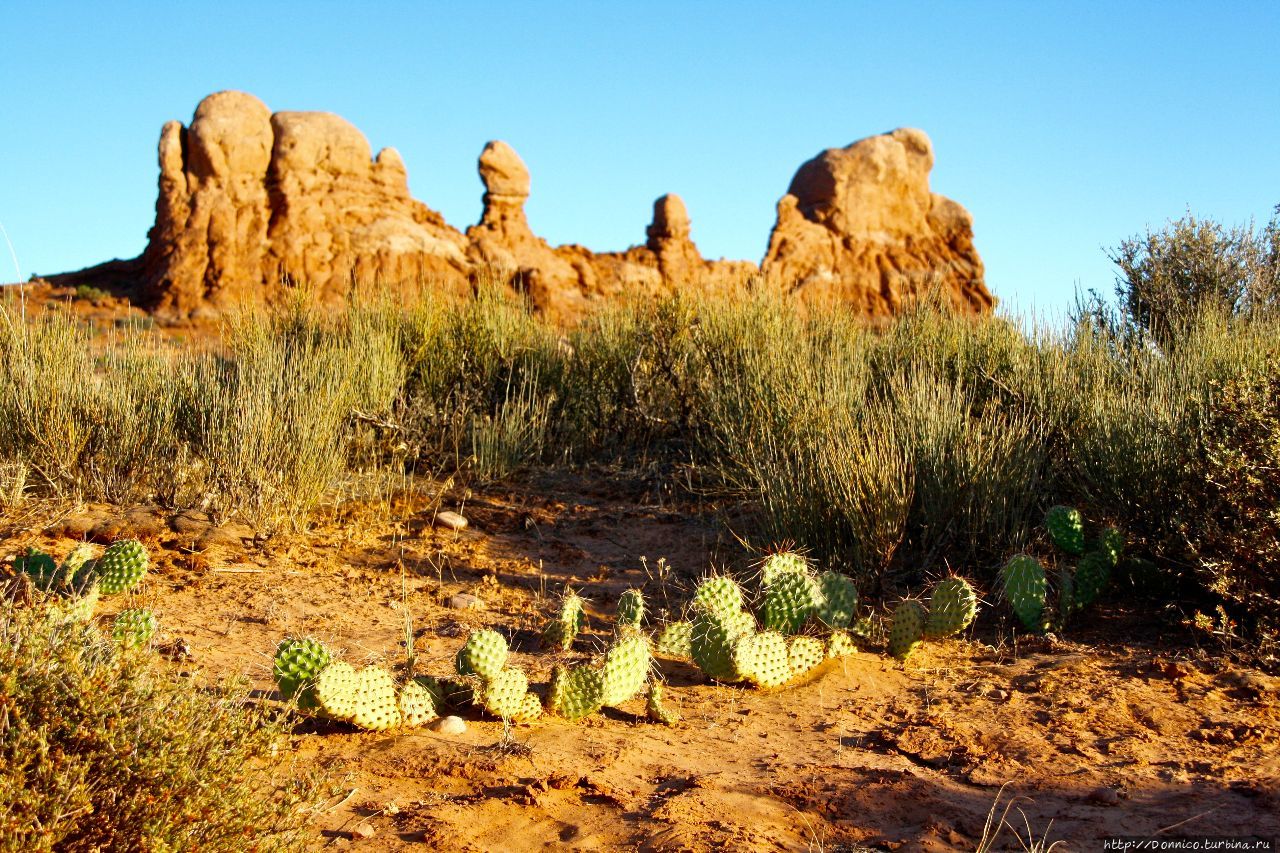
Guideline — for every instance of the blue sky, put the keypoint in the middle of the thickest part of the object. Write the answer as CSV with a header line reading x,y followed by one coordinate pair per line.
x,y
1063,127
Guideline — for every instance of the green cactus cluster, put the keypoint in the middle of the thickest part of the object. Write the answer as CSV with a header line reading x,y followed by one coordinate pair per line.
x,y
495,687
1040,605
309,674
72,589
952,607
675,640
726,644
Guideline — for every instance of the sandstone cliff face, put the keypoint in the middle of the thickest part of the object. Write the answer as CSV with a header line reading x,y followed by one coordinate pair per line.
x,y
859,225
252,201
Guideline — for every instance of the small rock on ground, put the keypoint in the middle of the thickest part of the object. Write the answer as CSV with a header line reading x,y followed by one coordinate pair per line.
x,y
465,601
449,726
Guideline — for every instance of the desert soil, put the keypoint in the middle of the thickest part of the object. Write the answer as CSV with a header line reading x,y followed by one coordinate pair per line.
x,y
1119,730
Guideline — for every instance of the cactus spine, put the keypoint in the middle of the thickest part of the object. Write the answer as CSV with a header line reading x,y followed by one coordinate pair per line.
x,y
952,608
631,609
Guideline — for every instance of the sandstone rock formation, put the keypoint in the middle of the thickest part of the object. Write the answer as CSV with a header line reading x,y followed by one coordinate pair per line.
x,y
859,225
251,202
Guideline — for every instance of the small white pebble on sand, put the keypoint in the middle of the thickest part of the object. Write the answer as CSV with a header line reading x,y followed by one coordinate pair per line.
x,y
364,830
449,726
451,520
465,601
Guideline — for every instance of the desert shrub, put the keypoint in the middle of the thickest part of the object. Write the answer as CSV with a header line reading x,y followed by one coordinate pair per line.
x,y
99,750
1234,488
1168,276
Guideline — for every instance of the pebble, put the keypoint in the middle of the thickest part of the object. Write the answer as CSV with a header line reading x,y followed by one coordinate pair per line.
x,y
449,726
364,830
450,520
465,601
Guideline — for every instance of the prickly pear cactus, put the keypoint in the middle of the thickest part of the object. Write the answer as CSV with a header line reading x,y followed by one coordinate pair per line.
x,y
134,628
1111,543
484,654
711,643
838,600
575,693
951,608
907,630
1066,528
783,562
376,707
417,705
763,659
656,710
625,669
121,567
503,695
561,631
804,653
1093,574
631,609
38,566
77,569
334,693
718,594
674,640
789,601
1025,588
297,663
840,644
530,709
458,692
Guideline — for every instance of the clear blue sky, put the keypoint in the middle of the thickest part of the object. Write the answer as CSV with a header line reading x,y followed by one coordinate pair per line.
x,y
1063,127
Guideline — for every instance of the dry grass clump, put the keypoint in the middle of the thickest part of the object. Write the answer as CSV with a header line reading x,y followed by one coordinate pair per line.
x,y
99,750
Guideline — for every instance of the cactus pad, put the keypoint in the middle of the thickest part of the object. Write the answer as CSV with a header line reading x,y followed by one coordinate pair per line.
x,y
840,644
838,600
630,609
907,630
484,654
763,659
718,594
1093,574
656,710
803,654
951,608
376,707
575,693
674,640
1066,528
530,709
712,642
783,562
334,693
561,631
1025,589
503,695
417,706
789,601
121,567
134,628
625,669
38,566
78,566
1067,603
1111,543
297,663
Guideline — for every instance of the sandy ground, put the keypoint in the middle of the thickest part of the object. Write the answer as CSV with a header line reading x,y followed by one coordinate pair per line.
x,y
1122,730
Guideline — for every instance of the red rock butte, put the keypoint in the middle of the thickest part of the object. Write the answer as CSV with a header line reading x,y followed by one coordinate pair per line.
x,y
251,201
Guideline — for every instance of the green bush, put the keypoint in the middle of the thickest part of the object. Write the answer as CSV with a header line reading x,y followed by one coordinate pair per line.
x,y
1169,276
99,750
